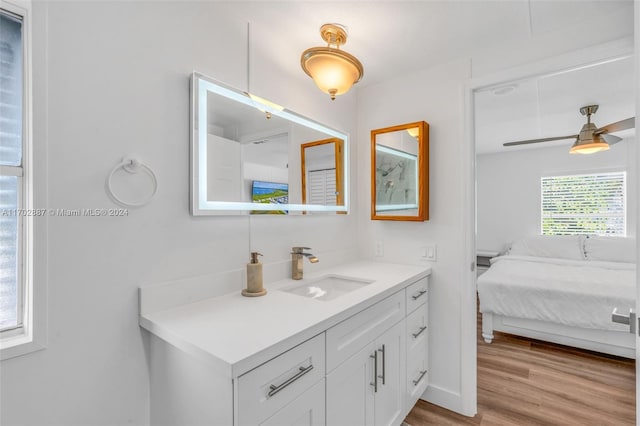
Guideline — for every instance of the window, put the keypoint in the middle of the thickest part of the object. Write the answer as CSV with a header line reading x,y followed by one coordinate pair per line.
x,y
584,204
16,209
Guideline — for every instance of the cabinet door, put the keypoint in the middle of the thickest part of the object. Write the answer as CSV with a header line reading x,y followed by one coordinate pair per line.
x,y
306,410
350,390
389,400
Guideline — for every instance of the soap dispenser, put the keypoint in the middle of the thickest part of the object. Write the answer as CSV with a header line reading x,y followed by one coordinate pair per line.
x,y
254,277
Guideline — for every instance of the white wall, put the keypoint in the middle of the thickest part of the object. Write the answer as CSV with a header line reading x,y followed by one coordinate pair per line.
x,y
508,187
434,96
112,79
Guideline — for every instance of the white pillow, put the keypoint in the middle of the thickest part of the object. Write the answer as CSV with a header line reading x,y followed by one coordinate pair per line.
x,y
559,246
610,249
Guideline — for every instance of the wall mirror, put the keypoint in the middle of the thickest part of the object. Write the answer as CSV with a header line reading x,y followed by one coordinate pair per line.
x,y
251,156
400,172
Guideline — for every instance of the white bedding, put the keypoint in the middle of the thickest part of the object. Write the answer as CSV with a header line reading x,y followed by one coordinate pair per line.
x,y
576,293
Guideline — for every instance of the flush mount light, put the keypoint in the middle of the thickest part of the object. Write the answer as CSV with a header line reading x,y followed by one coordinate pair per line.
x,y
333,70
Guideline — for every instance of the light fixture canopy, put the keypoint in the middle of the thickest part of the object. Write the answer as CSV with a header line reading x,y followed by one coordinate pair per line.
x,y
588,141
333,70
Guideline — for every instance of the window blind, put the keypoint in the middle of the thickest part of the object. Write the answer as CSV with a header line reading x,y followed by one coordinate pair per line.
x,y
322,187
584,204
11,141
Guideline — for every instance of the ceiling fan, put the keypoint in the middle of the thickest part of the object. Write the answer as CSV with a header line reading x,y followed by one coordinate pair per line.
x,y
591,138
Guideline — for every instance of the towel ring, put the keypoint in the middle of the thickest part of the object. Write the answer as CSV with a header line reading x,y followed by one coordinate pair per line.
x,y
132,165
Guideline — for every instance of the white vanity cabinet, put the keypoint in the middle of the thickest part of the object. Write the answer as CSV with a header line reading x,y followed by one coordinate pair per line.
x,y
417,338
367,388
359,361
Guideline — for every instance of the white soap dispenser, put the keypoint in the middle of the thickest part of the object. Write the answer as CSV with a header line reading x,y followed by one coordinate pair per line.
x,y
254,277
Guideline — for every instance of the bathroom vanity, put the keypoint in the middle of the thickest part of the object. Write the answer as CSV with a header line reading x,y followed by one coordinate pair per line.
x,y
352,349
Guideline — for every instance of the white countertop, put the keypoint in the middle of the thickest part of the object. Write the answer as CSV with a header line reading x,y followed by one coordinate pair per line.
x,y
238,333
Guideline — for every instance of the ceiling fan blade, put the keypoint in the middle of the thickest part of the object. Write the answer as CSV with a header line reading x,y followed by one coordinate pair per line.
x,y
629,123
610,139
557,138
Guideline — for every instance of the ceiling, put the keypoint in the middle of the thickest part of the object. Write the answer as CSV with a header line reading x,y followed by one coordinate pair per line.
x,y
548,106
395,37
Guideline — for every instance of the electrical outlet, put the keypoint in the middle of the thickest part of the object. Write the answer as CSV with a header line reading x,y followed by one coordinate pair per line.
x,y
379,248
428,253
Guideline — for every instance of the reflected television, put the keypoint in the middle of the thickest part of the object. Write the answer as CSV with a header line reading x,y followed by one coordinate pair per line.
x,y
270,193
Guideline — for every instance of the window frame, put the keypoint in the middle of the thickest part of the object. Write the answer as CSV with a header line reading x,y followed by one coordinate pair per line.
x,y
31,335
614,171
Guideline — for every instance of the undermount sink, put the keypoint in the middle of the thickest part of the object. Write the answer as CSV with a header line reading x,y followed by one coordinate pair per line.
x,y
328,287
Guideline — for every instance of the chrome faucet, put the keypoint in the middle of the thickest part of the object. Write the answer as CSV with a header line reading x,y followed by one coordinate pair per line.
x,y
297,254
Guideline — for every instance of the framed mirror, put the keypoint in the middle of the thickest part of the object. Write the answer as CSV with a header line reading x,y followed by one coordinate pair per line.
x,y
400,172
322,172
246,156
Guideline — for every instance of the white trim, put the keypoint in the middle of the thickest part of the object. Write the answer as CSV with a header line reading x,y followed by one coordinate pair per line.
x,y
30,340
637,179
601,53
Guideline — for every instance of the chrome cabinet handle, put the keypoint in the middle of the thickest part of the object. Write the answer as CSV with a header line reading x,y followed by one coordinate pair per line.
x,y
419,379
383,365
422,329
417,296
375,371
301,372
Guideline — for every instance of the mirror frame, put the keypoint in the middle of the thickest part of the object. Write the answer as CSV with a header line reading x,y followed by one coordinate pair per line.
x,y
423,172
199,205
338,149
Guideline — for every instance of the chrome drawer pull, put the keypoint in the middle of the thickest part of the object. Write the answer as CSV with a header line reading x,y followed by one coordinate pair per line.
x,y
417,296
303,370
422,329
384,374
375,371
422,373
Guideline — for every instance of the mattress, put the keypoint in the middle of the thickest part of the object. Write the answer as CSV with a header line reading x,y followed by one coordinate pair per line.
x,y
576,293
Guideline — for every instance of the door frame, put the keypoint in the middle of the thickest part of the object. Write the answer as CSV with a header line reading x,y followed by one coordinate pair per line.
x,y
583,58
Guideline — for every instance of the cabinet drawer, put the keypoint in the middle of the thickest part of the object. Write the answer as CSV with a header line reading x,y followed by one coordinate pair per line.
x,y
266,389
417,330
417,374
348,337
417,294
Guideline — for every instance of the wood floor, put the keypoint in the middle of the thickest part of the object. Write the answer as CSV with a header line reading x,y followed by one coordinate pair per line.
x,y
527,382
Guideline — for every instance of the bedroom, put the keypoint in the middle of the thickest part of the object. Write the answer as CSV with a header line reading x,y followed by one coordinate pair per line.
x,y
544,284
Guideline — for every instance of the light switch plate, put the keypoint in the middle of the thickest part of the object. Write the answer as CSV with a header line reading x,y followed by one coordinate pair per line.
x,y
379,248
429,253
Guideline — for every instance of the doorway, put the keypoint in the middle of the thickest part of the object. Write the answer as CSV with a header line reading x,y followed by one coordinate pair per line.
x,y
487,103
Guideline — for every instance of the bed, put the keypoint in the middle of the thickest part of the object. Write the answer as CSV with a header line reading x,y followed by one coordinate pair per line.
x,y
562,289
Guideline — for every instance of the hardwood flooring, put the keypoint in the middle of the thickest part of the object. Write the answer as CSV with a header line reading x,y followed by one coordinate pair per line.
x,y
528,382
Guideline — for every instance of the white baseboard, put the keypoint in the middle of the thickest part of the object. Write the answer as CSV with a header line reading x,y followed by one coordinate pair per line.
x,y
445,398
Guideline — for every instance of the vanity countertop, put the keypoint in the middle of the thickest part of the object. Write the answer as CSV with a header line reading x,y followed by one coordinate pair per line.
x,y
236,334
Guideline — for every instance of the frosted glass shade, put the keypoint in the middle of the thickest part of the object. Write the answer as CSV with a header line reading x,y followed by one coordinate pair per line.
x,y
334,71
589,148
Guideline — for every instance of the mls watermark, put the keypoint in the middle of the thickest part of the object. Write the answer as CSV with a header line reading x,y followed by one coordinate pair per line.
x,y
113,212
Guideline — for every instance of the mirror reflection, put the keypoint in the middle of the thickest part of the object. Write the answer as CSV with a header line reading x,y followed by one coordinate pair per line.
x,y
399,172
321,172
246,156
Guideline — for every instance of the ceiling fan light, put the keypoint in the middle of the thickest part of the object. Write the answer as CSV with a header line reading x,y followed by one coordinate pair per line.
x,y
589,147
333,70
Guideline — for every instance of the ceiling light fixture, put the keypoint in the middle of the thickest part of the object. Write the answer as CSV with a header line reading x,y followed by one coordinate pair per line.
x,y
333,70
588,141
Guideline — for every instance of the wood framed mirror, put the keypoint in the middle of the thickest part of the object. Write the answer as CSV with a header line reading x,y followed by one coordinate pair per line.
x,y
322,172
400,172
